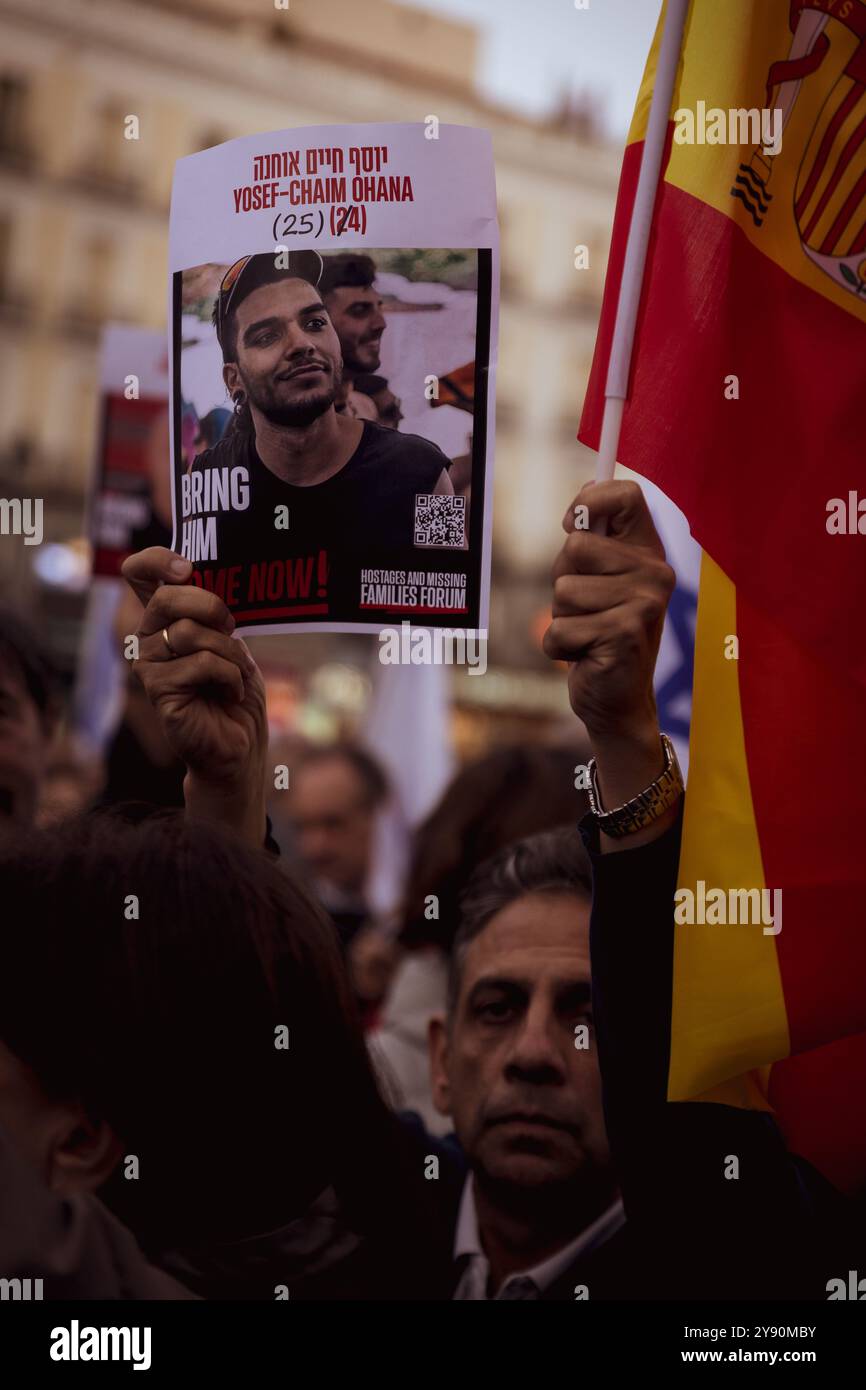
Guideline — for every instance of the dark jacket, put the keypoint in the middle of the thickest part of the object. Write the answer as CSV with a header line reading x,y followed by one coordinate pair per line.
x,y
328,1255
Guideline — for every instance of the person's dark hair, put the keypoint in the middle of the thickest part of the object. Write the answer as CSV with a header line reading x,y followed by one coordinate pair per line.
x,y
258,270
241,422
227,329
493,802
372,780
21,650
552,862
346,268
144,969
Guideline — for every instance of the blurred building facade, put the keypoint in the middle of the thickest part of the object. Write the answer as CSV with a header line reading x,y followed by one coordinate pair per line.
x,y
84,221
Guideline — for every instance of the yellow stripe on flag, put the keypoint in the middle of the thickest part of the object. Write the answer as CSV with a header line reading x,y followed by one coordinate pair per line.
x,y
726,981
640,115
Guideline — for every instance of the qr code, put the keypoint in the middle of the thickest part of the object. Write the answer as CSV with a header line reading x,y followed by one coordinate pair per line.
x,y
440,519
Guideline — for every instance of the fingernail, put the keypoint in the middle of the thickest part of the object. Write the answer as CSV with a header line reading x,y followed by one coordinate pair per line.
x,y
248,656
179,566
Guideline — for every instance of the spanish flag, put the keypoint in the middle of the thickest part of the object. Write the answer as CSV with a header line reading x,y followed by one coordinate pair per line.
x,y
747,406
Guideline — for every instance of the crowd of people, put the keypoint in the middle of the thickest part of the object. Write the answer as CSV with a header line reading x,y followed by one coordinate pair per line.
x,y
221,1079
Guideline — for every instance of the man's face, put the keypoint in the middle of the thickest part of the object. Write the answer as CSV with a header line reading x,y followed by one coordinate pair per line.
x,y
526,1103
333,823
356,313
24,746
288,355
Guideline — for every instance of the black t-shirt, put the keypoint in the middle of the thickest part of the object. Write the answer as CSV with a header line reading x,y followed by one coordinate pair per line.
x,y
337,550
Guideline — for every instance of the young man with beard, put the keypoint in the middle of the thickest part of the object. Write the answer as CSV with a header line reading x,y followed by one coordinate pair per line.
x,y
355,309
302,478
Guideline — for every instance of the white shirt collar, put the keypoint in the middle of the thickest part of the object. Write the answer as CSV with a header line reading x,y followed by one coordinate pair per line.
x,y
467,1242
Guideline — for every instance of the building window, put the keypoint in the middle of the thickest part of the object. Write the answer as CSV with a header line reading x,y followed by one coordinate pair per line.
x,y
109,163
90,301
14,304
14,136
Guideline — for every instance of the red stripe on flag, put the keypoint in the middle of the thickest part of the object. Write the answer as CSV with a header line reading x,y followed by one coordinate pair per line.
x,y
817,1100
847,106
806,754
859,242
854,198
628,178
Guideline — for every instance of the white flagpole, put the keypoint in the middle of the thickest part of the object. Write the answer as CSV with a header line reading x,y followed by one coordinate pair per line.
x,y
616,388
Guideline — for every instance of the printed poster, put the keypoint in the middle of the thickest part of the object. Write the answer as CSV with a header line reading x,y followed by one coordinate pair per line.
x,y
333,312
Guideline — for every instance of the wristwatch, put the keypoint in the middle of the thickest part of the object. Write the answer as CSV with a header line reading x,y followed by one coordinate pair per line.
x,y
644,808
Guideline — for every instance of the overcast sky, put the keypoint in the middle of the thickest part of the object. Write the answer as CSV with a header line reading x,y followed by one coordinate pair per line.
x,y
534,50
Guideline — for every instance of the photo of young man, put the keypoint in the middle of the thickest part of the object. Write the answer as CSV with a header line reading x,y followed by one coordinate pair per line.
x,y
292,476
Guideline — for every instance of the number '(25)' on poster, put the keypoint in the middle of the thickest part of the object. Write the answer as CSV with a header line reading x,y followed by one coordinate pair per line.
x,y
333,312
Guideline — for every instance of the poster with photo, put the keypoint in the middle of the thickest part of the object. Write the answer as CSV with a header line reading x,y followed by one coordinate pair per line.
x,y
333,312
130,451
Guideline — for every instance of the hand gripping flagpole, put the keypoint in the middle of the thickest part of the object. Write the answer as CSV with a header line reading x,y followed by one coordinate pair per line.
x,y
616,388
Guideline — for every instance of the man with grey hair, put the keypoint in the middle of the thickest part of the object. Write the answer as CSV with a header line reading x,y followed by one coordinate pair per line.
x,y
515,1066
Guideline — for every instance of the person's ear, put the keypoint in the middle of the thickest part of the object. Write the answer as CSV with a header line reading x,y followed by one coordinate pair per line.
x,y
232,378
437,1042
84,1152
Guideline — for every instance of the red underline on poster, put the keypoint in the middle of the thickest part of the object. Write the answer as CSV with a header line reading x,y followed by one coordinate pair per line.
x,y
312,608
407,608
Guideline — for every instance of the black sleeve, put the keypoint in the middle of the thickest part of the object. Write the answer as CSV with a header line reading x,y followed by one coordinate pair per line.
x,y
768,1233
427,459
631,946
